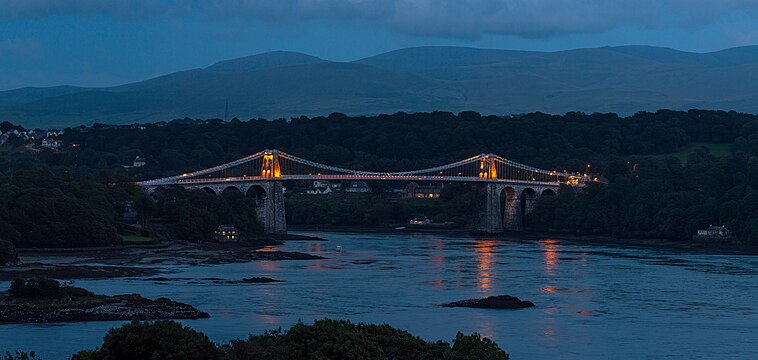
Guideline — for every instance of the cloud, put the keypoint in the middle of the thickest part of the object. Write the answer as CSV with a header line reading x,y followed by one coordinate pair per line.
x,y
34,9
20,49
442,18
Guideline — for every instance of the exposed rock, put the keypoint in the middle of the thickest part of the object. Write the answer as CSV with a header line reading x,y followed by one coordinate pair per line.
x,y
43,300
259,279
492,302
250,280
73,272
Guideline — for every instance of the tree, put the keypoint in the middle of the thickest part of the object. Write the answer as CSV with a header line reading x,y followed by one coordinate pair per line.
x,y
160,339
8,254
145,206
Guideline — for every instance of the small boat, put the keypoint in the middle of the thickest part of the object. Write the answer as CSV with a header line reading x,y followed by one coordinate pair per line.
x,y
338,248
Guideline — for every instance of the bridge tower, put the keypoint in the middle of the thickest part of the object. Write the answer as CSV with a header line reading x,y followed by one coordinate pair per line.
x,y
506,206
270,209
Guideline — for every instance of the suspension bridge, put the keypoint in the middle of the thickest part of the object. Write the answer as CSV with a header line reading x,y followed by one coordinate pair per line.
x,y
511,187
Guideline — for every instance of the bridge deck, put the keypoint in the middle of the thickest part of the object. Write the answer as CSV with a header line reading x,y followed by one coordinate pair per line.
x,y
346,178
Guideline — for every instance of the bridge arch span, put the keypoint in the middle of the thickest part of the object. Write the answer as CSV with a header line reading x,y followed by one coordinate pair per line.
x,y
548,192
528,200
257,191
209,190
230,188
509,207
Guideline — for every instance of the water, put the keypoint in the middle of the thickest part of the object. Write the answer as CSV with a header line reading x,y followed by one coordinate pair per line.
x,y
593,302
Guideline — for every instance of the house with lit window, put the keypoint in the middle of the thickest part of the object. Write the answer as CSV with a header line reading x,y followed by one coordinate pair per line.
x,y
226,233
51,143
414,190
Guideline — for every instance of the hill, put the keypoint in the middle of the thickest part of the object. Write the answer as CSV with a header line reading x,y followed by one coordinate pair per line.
x,y
622,79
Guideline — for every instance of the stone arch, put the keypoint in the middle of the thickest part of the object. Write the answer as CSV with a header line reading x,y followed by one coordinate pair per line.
x,y
257,191
548,192
509,208
528,199
209,190
231,188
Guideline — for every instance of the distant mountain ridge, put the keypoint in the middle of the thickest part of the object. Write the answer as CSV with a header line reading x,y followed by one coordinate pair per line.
x,y
622,79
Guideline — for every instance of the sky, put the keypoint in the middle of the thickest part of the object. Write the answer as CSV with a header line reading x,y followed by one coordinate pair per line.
x,y
111,42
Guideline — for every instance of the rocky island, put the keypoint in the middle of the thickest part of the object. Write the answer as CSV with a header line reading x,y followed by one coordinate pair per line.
x,y
492,302
42,300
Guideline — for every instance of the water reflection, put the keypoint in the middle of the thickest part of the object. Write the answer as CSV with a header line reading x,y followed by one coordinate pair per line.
x,y
485,256
314,247
550,250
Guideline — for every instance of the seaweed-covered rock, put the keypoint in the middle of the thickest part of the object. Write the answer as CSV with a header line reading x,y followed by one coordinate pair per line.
x,y
492,302
45,300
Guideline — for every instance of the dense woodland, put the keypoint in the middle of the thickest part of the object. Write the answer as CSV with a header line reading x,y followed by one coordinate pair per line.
x,y
656,189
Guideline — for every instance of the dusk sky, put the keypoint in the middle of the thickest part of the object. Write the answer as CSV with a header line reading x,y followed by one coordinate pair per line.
x,y
101,43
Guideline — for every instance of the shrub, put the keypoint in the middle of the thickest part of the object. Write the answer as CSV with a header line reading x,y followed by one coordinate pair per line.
x,y
340,339
166,340
44,288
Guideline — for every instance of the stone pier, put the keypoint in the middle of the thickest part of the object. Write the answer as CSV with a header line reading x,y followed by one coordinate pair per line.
x,y
506,206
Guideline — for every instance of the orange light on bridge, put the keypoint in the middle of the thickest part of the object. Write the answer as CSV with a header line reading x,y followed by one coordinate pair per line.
x,y
271,166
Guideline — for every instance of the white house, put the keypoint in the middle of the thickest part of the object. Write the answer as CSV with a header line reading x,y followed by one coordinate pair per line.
x,y
51,143
715,231
322,184
139,162
319,191
358,187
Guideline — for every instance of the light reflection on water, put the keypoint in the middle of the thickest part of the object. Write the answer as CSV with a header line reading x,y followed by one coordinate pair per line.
x,y
592,301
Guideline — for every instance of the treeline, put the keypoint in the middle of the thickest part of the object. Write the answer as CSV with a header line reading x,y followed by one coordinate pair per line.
x,y
42,208
652,193
399,141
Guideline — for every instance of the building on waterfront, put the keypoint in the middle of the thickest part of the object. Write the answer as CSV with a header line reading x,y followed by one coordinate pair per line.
x,y
414,190
226,233
714,233
358,187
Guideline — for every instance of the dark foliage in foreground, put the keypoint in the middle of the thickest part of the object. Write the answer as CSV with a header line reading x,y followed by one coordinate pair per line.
x,y
161,339
325,339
